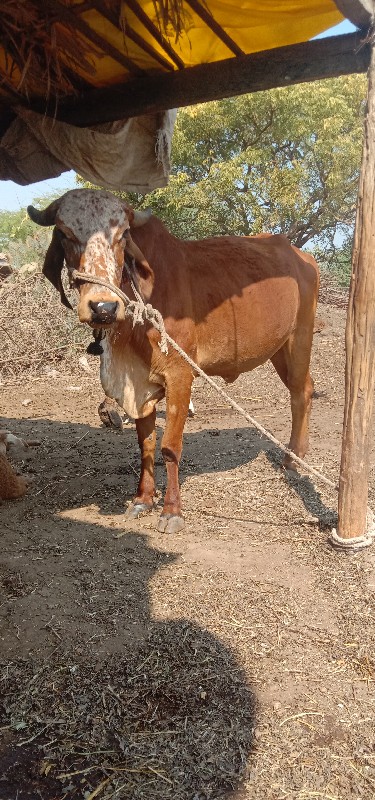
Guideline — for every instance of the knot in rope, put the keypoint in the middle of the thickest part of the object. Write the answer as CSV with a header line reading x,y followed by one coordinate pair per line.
x,y
141,312
137,309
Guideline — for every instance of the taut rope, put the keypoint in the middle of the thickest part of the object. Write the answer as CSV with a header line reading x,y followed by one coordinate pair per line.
x,y
142,312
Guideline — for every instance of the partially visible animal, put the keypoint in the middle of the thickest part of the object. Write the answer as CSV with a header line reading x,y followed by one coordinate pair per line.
x,y
191,409
109,415
111,418
5,268
11,484
230,302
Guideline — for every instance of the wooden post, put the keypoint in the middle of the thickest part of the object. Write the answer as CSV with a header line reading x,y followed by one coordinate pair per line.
x,y
360,343
360,12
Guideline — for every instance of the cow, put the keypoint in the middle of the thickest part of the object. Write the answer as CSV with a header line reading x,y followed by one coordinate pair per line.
x,y
230,302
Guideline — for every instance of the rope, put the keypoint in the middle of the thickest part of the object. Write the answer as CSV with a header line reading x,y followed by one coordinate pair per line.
x,y
353,544
356,542
142,312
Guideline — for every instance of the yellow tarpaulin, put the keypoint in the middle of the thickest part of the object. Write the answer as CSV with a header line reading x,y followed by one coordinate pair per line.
x,y
253,25
104,46
77,47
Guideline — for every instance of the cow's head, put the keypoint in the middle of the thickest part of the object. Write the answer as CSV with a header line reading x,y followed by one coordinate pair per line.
x,y
92,234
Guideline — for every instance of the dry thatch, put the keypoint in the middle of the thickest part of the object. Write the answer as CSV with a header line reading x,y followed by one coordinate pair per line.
x,y
51,51
59,51
171,15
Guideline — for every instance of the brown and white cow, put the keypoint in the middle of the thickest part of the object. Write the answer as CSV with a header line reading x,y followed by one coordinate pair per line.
x,y
230,302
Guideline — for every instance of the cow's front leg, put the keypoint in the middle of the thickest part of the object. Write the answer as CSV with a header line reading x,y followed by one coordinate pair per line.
x,y
178,398
144,499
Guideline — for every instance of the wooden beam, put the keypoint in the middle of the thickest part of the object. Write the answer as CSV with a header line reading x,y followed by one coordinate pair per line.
x,y
211,23
64,14
151,28
360,340
359,12
283,66
128,33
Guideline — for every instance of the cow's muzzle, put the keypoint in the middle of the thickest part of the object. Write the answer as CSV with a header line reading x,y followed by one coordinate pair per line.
x,y
103,313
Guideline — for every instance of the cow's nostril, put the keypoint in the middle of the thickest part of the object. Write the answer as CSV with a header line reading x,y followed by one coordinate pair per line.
x,y
104,312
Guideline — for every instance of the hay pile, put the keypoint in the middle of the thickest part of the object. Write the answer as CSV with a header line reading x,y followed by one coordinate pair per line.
x,y
330,292
37,332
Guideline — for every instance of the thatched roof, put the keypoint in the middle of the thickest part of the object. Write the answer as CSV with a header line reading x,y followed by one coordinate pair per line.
x,y
89,62
59,48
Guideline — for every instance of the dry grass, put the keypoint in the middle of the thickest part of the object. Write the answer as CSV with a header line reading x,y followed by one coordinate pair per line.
x,y
37,332
32,61
331,293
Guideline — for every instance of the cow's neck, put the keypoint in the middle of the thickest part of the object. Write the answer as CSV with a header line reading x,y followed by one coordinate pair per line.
x,y
125,371
167,256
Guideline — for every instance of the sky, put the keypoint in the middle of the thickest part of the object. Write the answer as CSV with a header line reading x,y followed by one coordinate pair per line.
x,y
14,197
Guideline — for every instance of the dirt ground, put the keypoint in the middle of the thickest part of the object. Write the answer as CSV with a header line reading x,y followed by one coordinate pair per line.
x,y
233,660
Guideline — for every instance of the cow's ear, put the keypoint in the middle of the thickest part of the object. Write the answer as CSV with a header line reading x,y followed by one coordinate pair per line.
x,y
53,265
144,277
140,217
137,218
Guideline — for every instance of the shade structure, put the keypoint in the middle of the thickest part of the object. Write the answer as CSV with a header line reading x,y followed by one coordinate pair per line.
x,y
97,43
102,63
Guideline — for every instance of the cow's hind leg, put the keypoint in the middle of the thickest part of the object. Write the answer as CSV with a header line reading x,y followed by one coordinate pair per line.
x,y
144,499
177,397
292,364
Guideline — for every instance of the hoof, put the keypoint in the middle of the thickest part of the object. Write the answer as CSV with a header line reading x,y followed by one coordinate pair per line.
x,y
289,464
109,416
135,510
171,523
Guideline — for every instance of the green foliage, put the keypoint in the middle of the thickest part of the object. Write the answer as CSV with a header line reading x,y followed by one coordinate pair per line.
x,y
22,240
336,262
14,225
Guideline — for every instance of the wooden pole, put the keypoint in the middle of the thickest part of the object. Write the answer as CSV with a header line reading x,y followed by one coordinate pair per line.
x,y
360,343
360,12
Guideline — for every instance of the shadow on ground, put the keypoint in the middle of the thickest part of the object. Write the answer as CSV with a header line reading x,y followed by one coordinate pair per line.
x,y
89,464
98,695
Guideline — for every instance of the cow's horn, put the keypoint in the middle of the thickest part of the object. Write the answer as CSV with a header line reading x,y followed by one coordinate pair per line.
x,y
141,217
46,216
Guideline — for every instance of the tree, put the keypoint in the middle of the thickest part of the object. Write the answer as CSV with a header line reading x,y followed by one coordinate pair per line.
x,y
20,238
14,225
286,160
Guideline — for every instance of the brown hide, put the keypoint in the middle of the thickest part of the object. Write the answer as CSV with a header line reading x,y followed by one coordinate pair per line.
x,y
233,301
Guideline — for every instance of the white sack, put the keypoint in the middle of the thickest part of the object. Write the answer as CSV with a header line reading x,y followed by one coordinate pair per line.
x,y
131,155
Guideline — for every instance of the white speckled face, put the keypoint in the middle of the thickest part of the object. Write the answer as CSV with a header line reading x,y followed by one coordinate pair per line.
x,y
93,224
